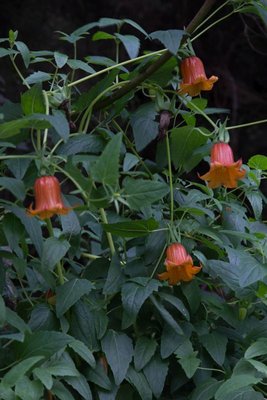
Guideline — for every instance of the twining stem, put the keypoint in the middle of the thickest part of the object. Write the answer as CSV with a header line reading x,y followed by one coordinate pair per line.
x,y
109,236
263,121
170,176
203,115
211,15
58,266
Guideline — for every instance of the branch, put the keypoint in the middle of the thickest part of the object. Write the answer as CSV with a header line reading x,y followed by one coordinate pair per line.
x,y
198,18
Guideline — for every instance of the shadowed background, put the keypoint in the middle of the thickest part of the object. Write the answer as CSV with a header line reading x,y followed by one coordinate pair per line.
x,y
235,50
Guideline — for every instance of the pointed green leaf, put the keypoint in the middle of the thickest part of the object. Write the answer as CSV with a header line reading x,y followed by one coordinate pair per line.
x,y
69,293
171,38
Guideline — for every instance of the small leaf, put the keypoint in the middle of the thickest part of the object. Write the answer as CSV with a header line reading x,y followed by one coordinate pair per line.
x,y
77,64
171,38
24,51
258,162
38,77
69,293
100,35
106,168
131,44
132,229
190,364
118,349
60,59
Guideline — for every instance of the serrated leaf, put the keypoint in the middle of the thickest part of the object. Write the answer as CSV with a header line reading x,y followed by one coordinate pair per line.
x,y
131,44
145,129
69,293
190,364
171,38
156,372
60,59
144,349
81,144
118,349
53,251
133,296
258,162
138,380
106,168
132,229
215,343
141,193
32,101
18,166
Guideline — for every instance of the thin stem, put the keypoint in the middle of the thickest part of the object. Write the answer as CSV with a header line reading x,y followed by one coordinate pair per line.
x,y
212,369
90,256
18,72
170,176
58,265
102,71
25,291
263,121
211,15
17,156
109,236
39,146
203,115
83,193
47,113
158,262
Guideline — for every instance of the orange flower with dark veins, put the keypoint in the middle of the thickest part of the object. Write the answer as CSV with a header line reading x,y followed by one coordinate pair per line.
x,y
224,171
48,200
179,265
194,78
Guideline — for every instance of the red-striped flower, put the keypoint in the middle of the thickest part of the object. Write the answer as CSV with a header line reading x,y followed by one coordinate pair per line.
x,y
194,78
179,265
48,200
224,171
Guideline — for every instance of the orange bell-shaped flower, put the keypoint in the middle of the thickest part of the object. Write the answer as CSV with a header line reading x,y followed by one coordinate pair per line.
x,y
179,265
194,78
224,171
48,200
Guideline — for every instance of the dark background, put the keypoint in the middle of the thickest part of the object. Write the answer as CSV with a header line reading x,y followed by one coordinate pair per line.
x,y
235,50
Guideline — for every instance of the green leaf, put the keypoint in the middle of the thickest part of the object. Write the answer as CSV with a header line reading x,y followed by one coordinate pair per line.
x,y
206,390
255,200
13,319
59,122
166,315
140,193
177,303
115,277
81,144
60,59
190,364
234,383
77,64
258,162
53,251
246,393
106,168
12,128
257,349
60,391
132,229
28,390
42,343
104,22
24,51
32,101
16,372
83,351
44,376
133,295
156,372
144,349
145,129
2,312
18,166
138,380
171,38
80,384
31,225
170,341
130,160
99,377
62,368
100,35
184,141
6,52
15,186
135,25
215,344
38,77
131,44
259,366
69,293
118,349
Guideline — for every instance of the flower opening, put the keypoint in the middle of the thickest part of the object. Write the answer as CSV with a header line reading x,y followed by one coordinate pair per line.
x,y
194,79
179,265
224,171
48,199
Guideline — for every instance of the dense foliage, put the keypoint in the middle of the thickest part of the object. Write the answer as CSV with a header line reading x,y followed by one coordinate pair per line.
x,y
143,275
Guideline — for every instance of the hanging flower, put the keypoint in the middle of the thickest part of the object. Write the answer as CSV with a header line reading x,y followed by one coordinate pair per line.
x,y
48,200
179,265
194,78
224,171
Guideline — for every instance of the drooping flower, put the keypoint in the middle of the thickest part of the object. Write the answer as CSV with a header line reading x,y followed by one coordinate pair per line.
x,y
224,171
48,200
179,265
194,78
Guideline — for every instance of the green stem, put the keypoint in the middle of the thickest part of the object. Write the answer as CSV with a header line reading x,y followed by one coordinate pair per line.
x,y
46,113
263,121
18,72
90,256
83,193
17,156
203,115
109,236
58,266
39,146
170,176
158,262
212,14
